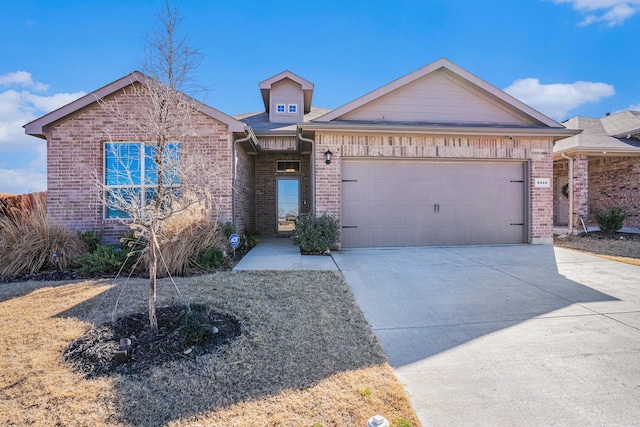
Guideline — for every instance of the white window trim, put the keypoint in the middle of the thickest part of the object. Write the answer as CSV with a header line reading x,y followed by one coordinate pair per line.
x,y
142,186
284,108
295,106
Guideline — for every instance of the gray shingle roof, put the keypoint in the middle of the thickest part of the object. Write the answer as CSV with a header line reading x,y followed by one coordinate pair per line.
x,y
605,134
259,122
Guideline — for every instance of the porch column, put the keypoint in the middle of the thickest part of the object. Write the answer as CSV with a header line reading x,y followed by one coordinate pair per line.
x,y
580,191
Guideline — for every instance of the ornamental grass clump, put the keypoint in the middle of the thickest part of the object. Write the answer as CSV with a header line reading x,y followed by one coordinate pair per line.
x,y
28,242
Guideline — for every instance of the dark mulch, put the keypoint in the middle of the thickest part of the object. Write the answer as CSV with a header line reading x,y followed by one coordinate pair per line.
x,y
625,245
94,353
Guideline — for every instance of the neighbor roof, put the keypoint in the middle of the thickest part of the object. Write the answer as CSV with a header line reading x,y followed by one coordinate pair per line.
x,y
39,127
607,135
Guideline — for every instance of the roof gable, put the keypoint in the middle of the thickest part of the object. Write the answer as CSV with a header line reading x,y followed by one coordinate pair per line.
x,y
441,93
305,85
38,127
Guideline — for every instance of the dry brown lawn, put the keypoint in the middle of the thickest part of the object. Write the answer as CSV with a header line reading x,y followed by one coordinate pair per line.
x,y
306,357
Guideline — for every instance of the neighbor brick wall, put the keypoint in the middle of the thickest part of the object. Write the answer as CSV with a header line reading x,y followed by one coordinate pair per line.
x,y
615,181
580,190
266,187
536,151
75,149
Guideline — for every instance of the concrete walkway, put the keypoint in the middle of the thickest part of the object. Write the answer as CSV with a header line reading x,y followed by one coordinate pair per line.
x,y
281,254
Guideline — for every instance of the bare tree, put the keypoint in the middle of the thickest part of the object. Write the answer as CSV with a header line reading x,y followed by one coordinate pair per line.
x,y
148,179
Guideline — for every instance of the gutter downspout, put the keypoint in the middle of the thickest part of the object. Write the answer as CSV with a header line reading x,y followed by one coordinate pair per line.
x,y
250,137
570,190
312,172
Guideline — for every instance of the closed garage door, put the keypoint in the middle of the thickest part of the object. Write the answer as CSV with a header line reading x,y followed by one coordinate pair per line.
x,y
416,203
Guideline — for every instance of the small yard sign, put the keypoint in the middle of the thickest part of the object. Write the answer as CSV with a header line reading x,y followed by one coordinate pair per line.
x,y
234,240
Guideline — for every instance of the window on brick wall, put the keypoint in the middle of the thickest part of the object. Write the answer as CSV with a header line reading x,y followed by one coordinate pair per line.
x,y
131,175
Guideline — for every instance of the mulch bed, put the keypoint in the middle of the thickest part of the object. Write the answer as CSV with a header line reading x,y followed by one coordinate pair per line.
x,y
94,353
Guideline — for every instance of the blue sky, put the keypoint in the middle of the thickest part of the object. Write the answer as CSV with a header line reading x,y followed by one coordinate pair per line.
x,y
562,57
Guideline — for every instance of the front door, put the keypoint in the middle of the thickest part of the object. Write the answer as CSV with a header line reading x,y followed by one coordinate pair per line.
x,y
562,213
288,203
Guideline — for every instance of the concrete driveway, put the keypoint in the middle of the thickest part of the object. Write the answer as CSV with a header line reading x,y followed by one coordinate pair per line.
x,y
505,335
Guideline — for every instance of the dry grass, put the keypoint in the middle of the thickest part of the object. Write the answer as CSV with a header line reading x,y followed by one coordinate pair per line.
x,y
183,236
306,358
28,240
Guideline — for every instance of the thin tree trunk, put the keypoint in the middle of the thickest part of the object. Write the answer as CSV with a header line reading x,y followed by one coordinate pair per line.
x,y
153,266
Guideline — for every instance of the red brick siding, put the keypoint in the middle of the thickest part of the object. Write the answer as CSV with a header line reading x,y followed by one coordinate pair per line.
x,y
266,187
245,191
537,152
75,164
615,181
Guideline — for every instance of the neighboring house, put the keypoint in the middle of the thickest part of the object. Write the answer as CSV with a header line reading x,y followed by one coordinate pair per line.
x,y
598,169
436,157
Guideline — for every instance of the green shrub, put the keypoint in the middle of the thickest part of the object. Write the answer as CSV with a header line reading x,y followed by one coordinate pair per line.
x,y
227,229
92,239
250,238
207,259
105,260
315,235
611,221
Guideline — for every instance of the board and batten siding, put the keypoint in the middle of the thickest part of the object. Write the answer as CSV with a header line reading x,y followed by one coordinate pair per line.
x,y
435,98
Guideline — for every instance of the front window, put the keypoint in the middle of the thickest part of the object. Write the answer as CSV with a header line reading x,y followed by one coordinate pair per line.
x,y
131,176
280,108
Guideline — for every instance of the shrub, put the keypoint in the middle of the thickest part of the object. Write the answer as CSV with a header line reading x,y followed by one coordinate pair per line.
x,y
104,260
611,221
315,235
92,239
28,242
207,259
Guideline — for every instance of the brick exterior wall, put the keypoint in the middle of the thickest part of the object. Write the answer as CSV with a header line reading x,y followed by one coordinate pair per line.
x,y
75,158
615,181
266,187
245,191
536,151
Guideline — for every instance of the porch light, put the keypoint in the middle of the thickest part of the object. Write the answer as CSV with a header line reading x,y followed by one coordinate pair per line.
x,y
328,155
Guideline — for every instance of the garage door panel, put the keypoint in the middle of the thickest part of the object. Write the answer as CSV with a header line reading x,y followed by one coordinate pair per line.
x,y
408,202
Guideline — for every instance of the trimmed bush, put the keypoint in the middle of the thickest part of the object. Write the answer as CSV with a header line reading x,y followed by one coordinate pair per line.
x,y
315,235
611,221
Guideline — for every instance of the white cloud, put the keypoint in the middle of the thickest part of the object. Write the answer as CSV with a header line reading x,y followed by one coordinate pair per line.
x,y
611,12
22,181
634,107
557,100
22,101
22,78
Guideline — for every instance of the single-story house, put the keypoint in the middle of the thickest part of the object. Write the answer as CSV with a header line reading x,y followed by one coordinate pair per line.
x,y
436,157
598,169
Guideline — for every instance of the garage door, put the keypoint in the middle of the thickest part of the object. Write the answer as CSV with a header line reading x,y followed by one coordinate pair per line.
x,y
416,203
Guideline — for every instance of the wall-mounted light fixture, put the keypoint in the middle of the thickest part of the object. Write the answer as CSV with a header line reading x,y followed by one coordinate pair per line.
x,y
328,155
